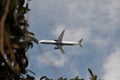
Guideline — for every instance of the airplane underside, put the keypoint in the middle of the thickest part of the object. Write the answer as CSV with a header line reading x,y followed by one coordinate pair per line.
x,y
59,42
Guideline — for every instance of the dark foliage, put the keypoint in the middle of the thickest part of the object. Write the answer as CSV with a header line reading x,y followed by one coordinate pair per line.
x,y
15,40
93,77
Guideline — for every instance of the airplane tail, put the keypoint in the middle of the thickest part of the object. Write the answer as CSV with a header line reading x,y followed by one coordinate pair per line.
x,y
80,41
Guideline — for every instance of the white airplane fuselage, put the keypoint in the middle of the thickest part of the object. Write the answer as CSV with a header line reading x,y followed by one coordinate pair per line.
x,y
59,42
55,42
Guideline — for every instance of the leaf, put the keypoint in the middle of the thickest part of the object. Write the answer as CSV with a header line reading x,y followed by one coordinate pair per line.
x,y
30,77
31,72
13,5
44,78
30,33
91,73
93,77
76,78
15,45
60,78
33,39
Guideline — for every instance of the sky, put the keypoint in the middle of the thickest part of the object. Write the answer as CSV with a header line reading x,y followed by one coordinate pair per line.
x,y
96,21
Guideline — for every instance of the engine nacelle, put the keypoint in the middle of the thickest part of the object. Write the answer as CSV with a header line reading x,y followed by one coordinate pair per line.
x,y
55,40
56,48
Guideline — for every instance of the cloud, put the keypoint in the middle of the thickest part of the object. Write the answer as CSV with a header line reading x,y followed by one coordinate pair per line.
x,y
72,33
97,22
112,66
74,70
49,58
112,8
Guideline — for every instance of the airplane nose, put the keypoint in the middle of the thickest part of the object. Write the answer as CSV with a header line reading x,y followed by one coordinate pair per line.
x,y
40,41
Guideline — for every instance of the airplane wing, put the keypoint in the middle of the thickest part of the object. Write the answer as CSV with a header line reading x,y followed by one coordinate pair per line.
x,y
61,36
61,49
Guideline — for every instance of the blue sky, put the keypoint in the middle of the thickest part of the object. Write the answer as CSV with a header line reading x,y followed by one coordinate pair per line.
x,y
96,21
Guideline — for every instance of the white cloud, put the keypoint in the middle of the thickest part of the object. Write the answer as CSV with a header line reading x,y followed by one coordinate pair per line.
x,y
74,70
113,9
112,66
49,58
93,20
80,9
72,33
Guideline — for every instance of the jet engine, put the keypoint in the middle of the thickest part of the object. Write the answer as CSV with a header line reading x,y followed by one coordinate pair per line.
x,y
56,48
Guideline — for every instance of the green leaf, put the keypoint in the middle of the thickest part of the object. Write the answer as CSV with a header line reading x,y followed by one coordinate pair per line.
x,y
90,71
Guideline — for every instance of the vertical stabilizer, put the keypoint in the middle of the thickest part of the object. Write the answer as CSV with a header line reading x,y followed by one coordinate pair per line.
x,y
80,42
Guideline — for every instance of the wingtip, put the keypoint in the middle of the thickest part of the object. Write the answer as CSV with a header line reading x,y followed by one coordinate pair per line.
x,y
64,30
62,52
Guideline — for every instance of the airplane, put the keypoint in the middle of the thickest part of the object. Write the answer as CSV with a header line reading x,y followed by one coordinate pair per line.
x,y
59,42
